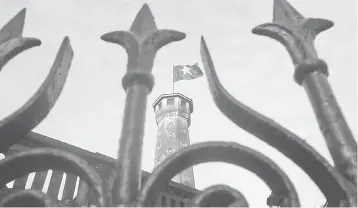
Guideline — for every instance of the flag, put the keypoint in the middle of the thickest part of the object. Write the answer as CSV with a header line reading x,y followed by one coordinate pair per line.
x,y
186,72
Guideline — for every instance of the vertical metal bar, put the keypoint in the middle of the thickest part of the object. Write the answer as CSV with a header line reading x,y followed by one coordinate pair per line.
x,y
334,127
297,34
131,141
39,180
83,193
69,188
55,184
141,42
106,173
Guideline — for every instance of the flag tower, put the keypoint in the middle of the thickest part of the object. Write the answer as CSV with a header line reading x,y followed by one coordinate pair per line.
x,y
172,112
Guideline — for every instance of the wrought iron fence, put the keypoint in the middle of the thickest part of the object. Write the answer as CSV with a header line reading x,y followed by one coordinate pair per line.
x,y
142,41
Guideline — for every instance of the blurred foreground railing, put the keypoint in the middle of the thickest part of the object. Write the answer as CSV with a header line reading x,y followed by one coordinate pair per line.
x,y
124,188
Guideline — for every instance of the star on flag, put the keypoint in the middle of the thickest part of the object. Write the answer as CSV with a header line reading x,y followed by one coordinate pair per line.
x,y
186,72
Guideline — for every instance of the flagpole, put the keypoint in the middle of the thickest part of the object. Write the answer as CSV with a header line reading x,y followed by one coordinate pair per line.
x,y
173,78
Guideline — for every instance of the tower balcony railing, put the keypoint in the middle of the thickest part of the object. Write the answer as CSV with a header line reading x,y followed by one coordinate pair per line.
x,y
124,186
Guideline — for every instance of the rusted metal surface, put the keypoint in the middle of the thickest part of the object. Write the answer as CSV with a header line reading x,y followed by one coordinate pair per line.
x,y
69,188
121,186
297,34
328,179
16,125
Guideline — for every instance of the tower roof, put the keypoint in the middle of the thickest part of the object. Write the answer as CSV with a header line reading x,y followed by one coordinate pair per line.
x,y
172,95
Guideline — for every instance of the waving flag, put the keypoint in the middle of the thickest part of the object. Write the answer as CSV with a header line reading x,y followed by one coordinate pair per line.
x,y
186,72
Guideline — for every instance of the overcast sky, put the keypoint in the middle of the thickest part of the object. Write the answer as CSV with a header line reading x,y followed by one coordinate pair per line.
x,y
255,69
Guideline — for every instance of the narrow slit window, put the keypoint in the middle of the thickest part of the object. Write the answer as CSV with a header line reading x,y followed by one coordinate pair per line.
x,y
182,103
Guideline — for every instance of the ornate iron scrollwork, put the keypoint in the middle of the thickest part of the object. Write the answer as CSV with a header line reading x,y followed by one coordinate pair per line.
x,y
334,186
40,159
124,188
13,127
297,34
228,152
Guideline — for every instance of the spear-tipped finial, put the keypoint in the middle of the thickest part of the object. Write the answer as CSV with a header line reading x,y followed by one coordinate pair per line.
x,y
144,23
283,11
14,27
141,42
296,33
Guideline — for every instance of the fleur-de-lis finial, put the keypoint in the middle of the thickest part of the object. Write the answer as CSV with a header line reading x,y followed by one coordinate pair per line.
x,y
284,12
144,24
297,34
141,42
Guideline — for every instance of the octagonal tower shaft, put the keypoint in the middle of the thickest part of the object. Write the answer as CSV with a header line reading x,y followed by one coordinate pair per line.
x,y
172,112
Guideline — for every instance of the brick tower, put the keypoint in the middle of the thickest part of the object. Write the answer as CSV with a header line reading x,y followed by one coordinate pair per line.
x,y
172,112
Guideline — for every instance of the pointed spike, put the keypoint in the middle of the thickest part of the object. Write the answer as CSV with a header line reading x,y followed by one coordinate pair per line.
x,y
66,49
109,37
144,24
207,60
14,27
66,41
285,12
